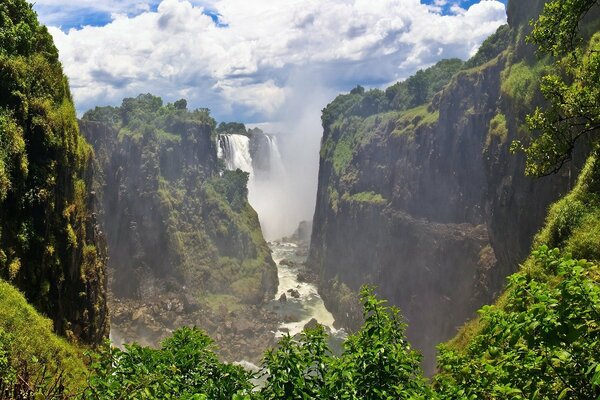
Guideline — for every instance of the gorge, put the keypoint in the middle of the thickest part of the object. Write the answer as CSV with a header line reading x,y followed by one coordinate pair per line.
x,y
453,252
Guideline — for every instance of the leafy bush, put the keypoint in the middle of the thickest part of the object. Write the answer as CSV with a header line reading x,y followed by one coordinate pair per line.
x,y
233,185
185,367
543,343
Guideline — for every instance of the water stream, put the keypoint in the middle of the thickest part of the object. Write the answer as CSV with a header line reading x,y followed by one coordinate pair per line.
x,y
302,300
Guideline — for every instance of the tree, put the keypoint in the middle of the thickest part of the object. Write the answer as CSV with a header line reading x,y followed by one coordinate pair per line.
x,y
573,91
181,104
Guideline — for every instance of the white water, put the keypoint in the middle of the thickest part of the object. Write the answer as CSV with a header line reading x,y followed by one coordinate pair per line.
x,y
308,306
235,151
267,190
277,171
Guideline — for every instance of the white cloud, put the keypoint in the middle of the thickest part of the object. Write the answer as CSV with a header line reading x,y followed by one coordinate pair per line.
x,y
244,68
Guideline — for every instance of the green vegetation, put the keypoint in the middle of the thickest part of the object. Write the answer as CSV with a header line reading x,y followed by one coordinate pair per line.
x,y
521,83
47,240
185,367
420,88
377,362
573,222
365,197
491,48
33,359
498,130
232,128
574,111
411,120
541,342
201,227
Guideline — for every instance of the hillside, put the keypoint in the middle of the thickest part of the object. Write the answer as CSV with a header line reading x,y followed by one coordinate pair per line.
x,y
419,193
50,247
180,229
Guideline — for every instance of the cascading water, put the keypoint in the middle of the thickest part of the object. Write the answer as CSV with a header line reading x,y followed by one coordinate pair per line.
x,y
266,188
276,170
235,151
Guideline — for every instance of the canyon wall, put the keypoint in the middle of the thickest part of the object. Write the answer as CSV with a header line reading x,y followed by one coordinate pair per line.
x,y
427,202
175,221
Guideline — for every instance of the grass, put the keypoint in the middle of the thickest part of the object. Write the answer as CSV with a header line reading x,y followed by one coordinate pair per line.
x,y
411,120
216,301
33,341
521,82
365,198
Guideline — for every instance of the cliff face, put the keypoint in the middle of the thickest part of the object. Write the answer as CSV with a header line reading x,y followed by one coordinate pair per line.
x,y
428,203
49,243
173,222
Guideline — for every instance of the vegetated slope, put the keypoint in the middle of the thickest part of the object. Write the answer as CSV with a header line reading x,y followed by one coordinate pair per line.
x,y
175,222
49,244
541,339
31,352
418,192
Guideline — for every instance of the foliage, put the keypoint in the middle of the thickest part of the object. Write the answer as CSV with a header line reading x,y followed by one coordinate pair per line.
x,y
574,103
377,362
521,83
232,128
365,197
543,343
146,116
498,128
45,216
557,30
184,367
573,222
411,93
420,88
491,47
234,186
410,120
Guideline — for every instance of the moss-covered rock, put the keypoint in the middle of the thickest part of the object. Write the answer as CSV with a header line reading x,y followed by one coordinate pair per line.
x,y
49,244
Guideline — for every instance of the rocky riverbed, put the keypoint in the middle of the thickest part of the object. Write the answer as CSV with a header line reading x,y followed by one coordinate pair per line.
x,y
242,334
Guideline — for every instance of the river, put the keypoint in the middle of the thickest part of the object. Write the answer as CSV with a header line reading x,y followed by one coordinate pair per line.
x,y
296,312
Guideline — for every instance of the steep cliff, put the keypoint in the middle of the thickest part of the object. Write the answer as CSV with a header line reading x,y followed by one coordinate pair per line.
x,y
174,222
49,243
422,196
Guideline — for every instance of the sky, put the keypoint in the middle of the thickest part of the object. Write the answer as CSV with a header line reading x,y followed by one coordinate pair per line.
x,y
241,58
269,63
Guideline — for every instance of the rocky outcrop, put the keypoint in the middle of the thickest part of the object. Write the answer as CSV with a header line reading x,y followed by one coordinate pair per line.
x,y
175,224
429,204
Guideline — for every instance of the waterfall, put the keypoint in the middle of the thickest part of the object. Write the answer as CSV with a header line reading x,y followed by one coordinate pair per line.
x,y
235,151
267,185
276,168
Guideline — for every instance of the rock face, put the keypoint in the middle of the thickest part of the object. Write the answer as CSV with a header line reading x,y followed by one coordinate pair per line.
x,y
428,203
50,247
174,223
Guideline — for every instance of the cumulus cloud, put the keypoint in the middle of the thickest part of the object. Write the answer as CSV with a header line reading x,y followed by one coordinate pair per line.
x,y
236,56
